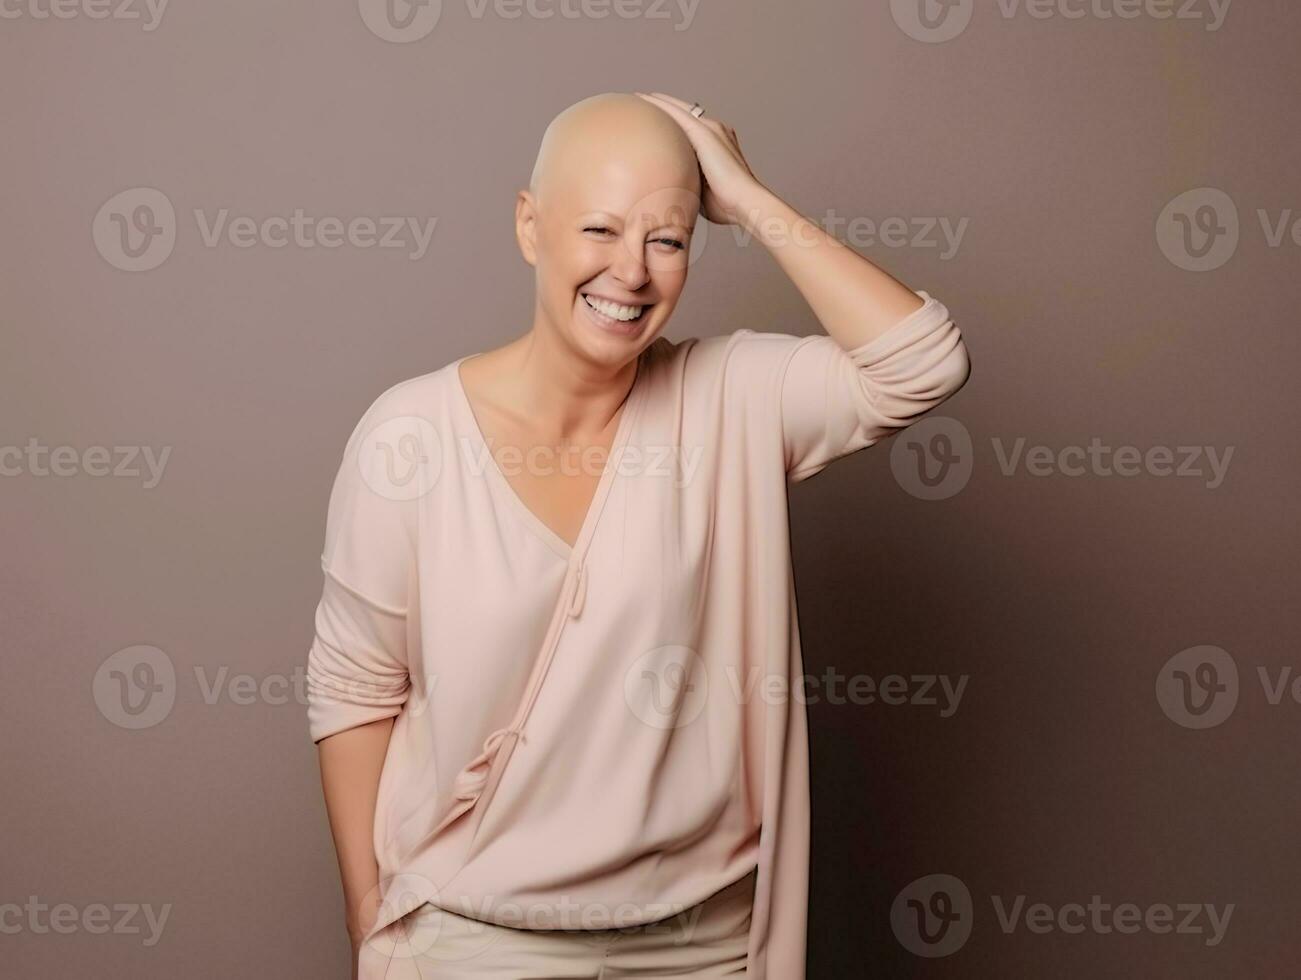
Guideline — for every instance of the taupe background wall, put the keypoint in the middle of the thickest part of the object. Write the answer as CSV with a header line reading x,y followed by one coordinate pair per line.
x,y
1070,767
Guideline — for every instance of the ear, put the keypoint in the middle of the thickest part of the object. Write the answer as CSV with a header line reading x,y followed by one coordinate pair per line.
x,y
526,224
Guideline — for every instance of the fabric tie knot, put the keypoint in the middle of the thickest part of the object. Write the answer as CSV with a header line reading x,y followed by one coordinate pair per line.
x,y
471,780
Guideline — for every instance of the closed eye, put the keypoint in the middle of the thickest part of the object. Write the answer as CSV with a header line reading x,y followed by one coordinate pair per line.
x,y
671,242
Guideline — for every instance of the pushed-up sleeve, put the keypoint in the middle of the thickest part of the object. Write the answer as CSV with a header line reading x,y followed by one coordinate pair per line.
x,y
833,401
357,665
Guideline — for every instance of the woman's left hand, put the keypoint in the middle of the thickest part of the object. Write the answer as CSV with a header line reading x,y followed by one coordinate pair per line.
x,y
729,183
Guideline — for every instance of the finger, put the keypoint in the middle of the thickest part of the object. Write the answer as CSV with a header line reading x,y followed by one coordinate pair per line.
x,y
683,115
685,107
712,122
667,101
680,103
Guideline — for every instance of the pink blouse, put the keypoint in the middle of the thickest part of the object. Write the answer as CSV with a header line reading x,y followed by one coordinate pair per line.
x,y
602,735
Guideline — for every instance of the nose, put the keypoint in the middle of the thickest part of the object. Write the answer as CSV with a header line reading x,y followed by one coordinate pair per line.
x,y
629,264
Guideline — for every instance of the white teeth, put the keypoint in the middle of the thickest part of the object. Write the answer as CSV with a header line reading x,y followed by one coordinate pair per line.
x,y
614,311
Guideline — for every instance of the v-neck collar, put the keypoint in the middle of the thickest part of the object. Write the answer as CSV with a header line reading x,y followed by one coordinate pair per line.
x,y
558,544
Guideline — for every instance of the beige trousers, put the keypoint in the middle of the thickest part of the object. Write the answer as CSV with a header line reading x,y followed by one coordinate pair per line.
x,y
707,940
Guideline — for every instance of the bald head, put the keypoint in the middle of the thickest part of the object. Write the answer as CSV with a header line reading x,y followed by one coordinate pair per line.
x,y
604,135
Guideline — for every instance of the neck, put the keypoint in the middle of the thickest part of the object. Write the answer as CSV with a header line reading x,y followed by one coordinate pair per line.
x,y
566,397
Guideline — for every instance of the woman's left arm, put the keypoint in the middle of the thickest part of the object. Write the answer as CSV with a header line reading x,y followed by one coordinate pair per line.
x,y
889,354
854,299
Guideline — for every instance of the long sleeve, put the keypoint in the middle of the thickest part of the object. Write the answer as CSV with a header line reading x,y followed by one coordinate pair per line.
x,y
357,666
833,402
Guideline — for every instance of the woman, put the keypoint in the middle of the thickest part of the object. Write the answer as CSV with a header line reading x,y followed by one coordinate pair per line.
x,y
553,681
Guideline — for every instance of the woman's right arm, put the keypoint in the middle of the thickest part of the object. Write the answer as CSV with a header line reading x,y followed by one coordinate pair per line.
x,y
351,762
357,677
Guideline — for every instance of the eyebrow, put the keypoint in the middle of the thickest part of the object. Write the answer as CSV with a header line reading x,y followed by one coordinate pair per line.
x,y
610,216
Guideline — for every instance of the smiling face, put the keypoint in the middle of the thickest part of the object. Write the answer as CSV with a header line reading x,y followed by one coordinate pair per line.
x,y
606,224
